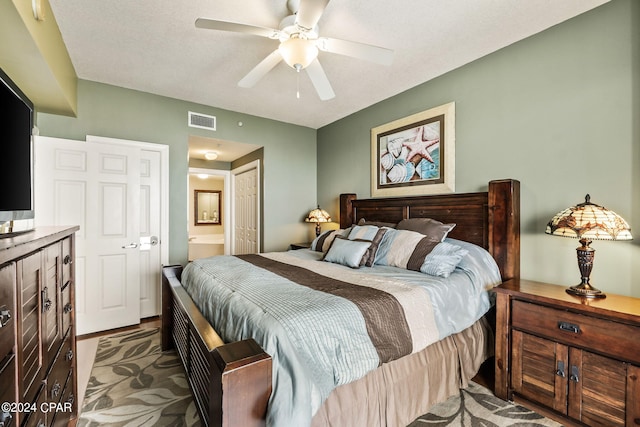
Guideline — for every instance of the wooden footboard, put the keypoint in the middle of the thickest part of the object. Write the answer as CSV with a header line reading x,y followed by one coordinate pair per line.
x,y
230,383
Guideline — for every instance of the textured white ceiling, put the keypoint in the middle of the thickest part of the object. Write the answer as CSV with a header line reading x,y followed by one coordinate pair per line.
x,y
153,46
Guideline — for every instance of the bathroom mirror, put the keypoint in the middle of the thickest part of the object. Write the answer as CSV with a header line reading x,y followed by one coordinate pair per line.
x,y
207,207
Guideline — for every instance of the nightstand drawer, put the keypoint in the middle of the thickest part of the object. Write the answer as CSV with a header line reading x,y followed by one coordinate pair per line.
x,y
579,330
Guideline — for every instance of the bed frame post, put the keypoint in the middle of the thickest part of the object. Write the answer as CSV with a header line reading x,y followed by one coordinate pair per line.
x,y
346,209
504,226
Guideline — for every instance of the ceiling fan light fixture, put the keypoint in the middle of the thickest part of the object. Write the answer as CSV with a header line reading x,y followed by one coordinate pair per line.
x,y
210,155
298,52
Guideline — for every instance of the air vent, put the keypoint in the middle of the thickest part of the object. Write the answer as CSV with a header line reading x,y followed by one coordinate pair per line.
x,y
202,121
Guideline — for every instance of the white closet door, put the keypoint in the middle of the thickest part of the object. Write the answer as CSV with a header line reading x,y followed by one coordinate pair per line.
x,y
246,219
96,186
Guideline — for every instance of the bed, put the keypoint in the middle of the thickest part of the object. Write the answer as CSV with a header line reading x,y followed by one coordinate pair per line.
x,y
238,383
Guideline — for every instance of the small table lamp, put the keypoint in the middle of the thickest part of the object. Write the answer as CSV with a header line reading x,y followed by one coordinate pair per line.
x,y
588,221
318,215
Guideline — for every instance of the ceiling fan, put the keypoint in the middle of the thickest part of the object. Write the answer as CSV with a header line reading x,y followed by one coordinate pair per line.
x,y
299,45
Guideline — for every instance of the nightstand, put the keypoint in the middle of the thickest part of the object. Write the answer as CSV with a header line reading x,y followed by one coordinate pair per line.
x,y
570,358
305,245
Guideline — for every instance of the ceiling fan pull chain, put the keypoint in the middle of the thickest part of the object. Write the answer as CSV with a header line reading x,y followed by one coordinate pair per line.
x,y
298,83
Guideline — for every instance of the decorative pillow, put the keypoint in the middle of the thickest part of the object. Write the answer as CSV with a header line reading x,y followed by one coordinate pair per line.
x,y
323,241
370,233
347,252
377,223
443,259
404,249
478,264
429,227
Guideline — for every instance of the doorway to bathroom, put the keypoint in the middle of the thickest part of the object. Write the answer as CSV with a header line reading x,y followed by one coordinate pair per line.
x,y
224,198
209,213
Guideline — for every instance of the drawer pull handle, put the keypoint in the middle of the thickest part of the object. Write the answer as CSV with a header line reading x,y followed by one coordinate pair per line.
x,y
575,377
67,259
55,390
46,301
5,419
5,316
69,355
569,327
68,308
560,371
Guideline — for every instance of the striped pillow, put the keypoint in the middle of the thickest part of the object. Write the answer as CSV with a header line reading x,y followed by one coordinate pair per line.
x,y
322,243
404,249
369,233
443,259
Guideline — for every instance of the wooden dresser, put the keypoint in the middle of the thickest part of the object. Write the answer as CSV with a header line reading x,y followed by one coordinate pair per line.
x,y
38,385
576,360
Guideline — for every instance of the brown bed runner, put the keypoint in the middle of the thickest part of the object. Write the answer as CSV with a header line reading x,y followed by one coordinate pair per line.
x,y
383,314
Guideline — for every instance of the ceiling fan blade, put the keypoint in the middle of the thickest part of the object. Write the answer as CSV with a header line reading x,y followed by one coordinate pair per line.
x,y
260,70
212,24
320,81
379,55
309,13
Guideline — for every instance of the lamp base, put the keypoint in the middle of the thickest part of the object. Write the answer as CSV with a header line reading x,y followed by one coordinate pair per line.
x,y
585,290
585,264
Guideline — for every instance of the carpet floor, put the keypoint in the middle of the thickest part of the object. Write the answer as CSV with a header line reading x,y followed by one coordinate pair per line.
x,y
133,383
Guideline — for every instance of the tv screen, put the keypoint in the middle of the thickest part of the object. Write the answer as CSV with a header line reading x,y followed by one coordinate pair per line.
x,y
16,122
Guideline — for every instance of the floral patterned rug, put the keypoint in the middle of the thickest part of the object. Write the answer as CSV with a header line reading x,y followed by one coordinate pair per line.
x,y
133,383
476,406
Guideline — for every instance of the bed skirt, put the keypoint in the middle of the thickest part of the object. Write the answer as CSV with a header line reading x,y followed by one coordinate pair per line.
x,y
398,392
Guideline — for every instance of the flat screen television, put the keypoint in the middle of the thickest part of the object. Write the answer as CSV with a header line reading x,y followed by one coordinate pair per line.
x,y
16,154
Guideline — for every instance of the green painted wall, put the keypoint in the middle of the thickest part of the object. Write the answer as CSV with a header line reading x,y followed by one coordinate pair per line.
x,y
289,166
557,111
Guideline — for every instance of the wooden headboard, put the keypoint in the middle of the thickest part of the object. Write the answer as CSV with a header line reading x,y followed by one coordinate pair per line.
x,y
490,219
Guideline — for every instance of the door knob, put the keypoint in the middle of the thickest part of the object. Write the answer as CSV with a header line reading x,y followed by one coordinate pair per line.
x,y
147,241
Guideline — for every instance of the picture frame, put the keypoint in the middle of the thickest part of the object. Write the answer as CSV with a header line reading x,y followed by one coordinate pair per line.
x,y
414,155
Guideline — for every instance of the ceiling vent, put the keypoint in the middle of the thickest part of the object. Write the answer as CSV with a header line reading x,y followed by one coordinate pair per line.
x,y
202,121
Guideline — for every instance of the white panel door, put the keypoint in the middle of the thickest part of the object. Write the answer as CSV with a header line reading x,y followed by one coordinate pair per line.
x,y
96,186
246,219
150,257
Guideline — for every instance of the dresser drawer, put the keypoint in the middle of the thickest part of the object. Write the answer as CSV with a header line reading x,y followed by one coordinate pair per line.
x,y
57,377
35,418
66,407
603,336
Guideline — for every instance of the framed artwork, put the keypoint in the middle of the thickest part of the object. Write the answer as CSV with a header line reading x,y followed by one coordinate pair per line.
x,y
414,155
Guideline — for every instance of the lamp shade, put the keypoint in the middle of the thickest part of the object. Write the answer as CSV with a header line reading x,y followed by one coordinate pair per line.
x,y
298,52
318,215
589,221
